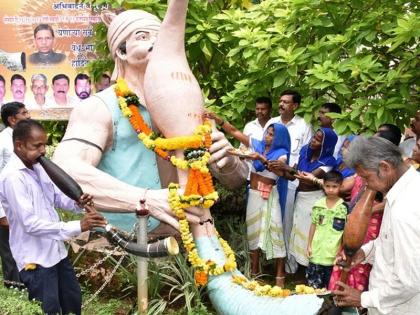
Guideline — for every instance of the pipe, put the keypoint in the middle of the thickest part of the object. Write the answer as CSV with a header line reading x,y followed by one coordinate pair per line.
x,y
160,248
142,263
73,190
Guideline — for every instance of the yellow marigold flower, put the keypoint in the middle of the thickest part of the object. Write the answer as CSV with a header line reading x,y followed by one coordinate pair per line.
x,y
309,290
275,291
300,288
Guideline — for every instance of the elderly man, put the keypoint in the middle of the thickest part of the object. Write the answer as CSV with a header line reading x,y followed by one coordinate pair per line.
x,y
395,254
39,88
102,151
44,42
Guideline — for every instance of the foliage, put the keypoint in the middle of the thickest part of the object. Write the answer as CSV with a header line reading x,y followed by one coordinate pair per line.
x,y
363,55
112,306
55,131
14,301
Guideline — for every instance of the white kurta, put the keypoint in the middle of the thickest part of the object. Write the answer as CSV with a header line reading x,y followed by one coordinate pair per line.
x,y
394,284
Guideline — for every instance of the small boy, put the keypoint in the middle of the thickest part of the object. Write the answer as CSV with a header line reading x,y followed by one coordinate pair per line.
x,y
325,234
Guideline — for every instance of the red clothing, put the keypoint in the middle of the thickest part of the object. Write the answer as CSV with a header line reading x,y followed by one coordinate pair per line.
x,y
358,276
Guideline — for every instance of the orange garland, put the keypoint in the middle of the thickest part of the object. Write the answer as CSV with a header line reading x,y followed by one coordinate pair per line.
x,y
139,125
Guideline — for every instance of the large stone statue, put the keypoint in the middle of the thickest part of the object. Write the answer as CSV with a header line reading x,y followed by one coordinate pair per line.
x,y
101,150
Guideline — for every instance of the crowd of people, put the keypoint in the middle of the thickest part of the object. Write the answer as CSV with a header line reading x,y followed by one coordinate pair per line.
x,y
301,191
300,198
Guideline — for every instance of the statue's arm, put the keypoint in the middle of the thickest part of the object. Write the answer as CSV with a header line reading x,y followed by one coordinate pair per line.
x,y
91,122
228,169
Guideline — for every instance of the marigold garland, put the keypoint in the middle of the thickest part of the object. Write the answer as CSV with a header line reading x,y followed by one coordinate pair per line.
x,y
274,291
202,268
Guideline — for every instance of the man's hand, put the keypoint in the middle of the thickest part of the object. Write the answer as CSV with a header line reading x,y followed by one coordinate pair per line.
x,y
91,219
85,200
346,295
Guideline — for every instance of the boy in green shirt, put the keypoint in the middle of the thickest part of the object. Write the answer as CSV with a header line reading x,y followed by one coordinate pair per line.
x,y
328,219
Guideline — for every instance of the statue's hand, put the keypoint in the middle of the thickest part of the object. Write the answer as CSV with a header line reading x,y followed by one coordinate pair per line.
x,y
157,201
218,150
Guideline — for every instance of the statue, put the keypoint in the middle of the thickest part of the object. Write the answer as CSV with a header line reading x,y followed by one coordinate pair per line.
x,y
101,150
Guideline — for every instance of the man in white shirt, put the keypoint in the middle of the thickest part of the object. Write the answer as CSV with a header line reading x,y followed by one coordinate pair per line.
x,y
255,128
395,255
327,122
29,198
11,114
82,86
18,88
408,145
39,88
300,134
60,87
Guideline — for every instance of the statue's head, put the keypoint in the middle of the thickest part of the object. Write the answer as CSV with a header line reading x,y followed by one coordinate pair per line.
x,y
131,35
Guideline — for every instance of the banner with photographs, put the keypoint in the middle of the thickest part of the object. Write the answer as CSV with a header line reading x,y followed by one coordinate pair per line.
x,y
45,46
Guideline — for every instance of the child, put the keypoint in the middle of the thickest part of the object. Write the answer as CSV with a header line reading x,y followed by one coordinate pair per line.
x,y
325,234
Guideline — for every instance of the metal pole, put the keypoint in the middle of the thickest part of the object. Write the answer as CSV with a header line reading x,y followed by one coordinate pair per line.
x,y
142,264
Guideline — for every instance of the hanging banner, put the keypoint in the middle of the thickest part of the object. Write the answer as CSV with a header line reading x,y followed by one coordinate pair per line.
x,y
46,39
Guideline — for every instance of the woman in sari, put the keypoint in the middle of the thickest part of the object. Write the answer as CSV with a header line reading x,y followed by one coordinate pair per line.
x,y
265,204
316,158
263,212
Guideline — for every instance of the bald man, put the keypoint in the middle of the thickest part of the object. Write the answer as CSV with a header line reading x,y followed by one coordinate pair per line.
x,y
102,151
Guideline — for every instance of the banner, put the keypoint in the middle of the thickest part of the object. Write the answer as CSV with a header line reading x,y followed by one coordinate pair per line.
x,y
50,38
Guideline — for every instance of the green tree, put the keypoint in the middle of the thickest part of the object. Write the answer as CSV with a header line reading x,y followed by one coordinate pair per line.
x,y
363,55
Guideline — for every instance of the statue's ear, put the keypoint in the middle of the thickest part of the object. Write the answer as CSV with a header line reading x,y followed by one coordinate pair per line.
x,y
107,17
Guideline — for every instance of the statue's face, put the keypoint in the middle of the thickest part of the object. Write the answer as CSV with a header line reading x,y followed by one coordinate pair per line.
x,y
139,46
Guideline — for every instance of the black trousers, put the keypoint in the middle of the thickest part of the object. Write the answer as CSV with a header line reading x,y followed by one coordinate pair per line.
x,y
55,287
10,271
